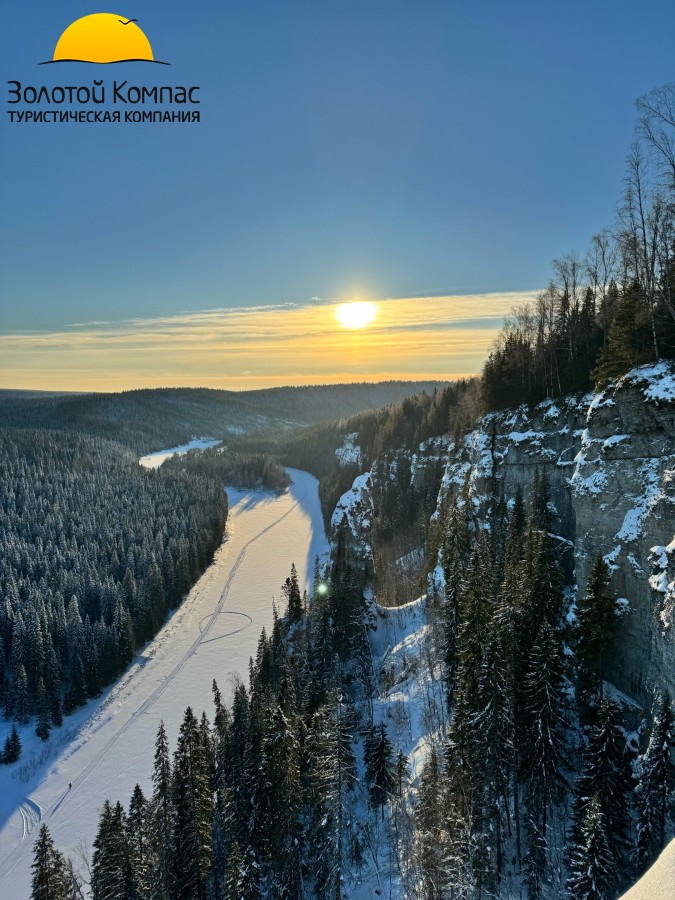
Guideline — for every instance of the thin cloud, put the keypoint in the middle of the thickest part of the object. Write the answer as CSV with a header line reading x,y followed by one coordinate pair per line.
x,y
272,344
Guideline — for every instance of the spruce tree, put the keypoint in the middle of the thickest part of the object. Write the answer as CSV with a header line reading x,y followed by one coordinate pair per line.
x,y
455,550
160,826
43,712
380,771
12,748
490,759
193,805
629,339
402,774
607,776
596,621
111,875
592,868
139,849
234,875
656,783
293,596
50,879
281,794
329,775
543,743
22,705
430,817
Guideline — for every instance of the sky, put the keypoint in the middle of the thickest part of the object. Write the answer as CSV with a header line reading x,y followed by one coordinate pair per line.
x,y
379,150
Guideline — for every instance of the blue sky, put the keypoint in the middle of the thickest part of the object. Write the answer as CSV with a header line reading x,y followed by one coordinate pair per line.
x,y
389,149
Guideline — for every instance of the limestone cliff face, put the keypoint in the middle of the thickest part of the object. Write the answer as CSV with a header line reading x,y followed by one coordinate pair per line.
x,y
351,525
610,460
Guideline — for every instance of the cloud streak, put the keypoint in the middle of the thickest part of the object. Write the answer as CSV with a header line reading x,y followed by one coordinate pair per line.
x,y
424,337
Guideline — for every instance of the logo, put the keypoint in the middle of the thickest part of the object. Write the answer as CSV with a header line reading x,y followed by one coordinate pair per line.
x,y
103,38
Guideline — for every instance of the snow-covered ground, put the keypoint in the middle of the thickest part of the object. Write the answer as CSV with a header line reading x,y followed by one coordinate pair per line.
x,y
658,882
105,748
155,460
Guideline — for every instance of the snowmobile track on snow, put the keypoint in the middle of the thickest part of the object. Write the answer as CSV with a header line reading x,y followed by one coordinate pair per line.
x,y
192,650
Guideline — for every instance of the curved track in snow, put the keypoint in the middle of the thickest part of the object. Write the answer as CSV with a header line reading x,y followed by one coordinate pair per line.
x,y
31,815
110,749
170,678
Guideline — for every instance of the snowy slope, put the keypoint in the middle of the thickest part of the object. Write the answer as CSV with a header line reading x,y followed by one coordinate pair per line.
x,y
105,748
658,883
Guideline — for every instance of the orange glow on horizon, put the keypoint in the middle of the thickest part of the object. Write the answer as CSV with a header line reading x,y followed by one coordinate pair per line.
x,y
432,338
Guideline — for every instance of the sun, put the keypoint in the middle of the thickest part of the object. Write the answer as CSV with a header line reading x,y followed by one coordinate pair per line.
x,y
356,314
103,38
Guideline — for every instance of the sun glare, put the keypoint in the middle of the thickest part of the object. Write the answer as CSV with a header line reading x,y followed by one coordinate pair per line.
x,y
356,314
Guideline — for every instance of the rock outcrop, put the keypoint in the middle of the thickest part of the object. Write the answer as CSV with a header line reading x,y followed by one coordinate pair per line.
x,y
610,461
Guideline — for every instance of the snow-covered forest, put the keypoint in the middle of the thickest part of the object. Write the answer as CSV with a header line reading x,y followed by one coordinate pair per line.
x,y
473,697
95,552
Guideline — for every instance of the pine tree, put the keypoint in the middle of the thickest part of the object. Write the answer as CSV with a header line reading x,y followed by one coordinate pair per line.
x,y
52,878
402,774
628,342
43,712
592,869
380,771
160,826
234,875
656,783
139,843
280,797
193,804
596,621
606,775
456,544
111,877
12,748
543,724
293,596
490,761
430,817
22,707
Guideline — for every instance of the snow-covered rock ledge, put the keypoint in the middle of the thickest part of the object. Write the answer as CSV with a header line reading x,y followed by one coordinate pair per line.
x,y
610,460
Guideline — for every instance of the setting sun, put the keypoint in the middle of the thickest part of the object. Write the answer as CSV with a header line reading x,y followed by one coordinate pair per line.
x,y
103,38
356,314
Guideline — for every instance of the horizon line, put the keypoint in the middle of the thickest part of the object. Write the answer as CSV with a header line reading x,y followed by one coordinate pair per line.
x,y
110,62
56,392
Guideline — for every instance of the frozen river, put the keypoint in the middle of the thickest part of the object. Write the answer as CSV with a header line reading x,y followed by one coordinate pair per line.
x,y
106,747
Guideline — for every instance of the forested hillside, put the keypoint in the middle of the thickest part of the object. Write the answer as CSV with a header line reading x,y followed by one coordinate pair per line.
x,y
153,419
613,308
331,452
489,735
94,552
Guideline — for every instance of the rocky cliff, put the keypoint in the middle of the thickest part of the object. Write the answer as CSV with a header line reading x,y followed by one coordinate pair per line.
x,y
610,460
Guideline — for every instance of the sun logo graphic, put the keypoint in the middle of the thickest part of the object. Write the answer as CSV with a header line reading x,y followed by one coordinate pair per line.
x,y
103,38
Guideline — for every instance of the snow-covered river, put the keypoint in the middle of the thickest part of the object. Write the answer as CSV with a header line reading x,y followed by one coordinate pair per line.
x,y
105,748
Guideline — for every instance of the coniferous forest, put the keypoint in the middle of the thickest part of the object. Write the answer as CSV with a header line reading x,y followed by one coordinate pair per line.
x,y
95,552
532,780
294,788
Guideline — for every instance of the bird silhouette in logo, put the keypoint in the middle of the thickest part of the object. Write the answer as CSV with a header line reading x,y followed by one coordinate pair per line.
x,y
98,38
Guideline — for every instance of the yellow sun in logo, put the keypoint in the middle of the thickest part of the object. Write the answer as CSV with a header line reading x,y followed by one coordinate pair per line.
x,y
103,38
